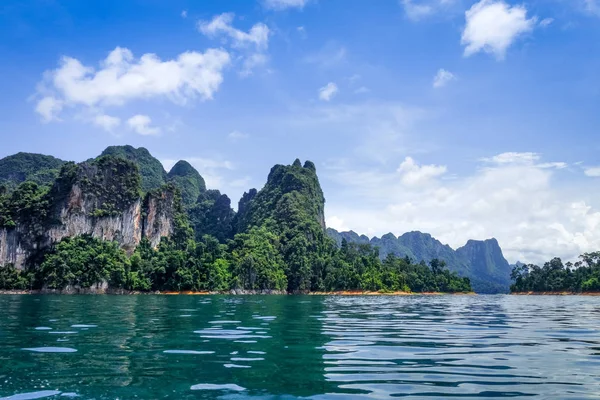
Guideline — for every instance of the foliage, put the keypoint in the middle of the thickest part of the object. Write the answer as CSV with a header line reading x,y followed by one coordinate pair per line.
x,y
188,180
554,276
14,279
212,215
84,261
21,167
28,204
153,175
114,182
481,261
257,261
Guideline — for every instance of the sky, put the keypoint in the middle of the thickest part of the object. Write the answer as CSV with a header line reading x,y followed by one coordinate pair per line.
x,y
463,119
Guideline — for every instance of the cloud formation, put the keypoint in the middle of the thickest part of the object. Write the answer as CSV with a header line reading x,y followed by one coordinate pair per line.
x,y
513,200
279,5
141,124
492,26
122,78
328,91
442,78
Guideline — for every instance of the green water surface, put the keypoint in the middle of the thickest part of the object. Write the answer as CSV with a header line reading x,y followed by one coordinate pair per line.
x,y
188,347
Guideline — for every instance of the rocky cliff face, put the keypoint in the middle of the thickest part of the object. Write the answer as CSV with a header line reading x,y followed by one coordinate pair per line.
x,y
101,200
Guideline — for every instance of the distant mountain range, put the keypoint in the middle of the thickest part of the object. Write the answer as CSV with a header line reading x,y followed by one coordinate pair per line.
x,y
480,260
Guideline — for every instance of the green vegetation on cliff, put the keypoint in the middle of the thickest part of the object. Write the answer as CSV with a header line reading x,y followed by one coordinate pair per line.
x,y
276,241
22,167
185,177
554,276
151,170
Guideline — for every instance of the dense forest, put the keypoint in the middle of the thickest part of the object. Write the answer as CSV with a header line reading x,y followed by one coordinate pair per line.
x,y
554,276
275,242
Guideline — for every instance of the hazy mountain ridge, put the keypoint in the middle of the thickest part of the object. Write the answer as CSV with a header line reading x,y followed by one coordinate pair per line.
x,y
480,260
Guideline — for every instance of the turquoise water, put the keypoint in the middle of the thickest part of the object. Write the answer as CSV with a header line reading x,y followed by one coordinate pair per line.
x,y
188,347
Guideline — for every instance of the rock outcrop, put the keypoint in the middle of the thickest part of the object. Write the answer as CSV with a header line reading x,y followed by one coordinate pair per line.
x,y
101,198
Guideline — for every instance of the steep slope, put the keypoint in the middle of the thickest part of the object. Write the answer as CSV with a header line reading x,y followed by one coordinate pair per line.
x,y
486,260
151,169
292,194
188,180
22,167
101,198
291,206
212,215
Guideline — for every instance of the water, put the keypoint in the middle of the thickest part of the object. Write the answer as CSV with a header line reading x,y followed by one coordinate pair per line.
x,y
189,347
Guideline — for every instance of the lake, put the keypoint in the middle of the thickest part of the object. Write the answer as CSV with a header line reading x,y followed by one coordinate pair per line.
x,y
230,347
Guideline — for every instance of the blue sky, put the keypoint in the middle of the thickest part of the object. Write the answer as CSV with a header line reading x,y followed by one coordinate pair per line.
x,y
465,119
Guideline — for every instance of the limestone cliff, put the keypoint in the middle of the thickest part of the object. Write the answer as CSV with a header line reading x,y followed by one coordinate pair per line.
x,y
100,198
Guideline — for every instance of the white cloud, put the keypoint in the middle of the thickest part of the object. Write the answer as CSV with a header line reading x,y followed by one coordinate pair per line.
x,y
106,122
253,44
336,223
493,25
235,136
592,171
513,158
49,108
141,125
518,203
546,22
122,78
284,4
184,14
413,174
253,61
417,11
442,78
327,92
221,25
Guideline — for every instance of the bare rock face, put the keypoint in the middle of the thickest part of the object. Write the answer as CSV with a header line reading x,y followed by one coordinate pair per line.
x,y
84,208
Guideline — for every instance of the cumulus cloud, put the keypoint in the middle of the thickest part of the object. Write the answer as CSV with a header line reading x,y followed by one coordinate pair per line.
x,y
546,22
49,107
442,78
253,44
492,26
517,203
327,92
141,124
122,78
106,122
221,25
279,5
336,223
412,174
592,172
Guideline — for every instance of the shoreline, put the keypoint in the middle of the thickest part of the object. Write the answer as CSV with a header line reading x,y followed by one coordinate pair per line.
x,y
121,292
555,294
